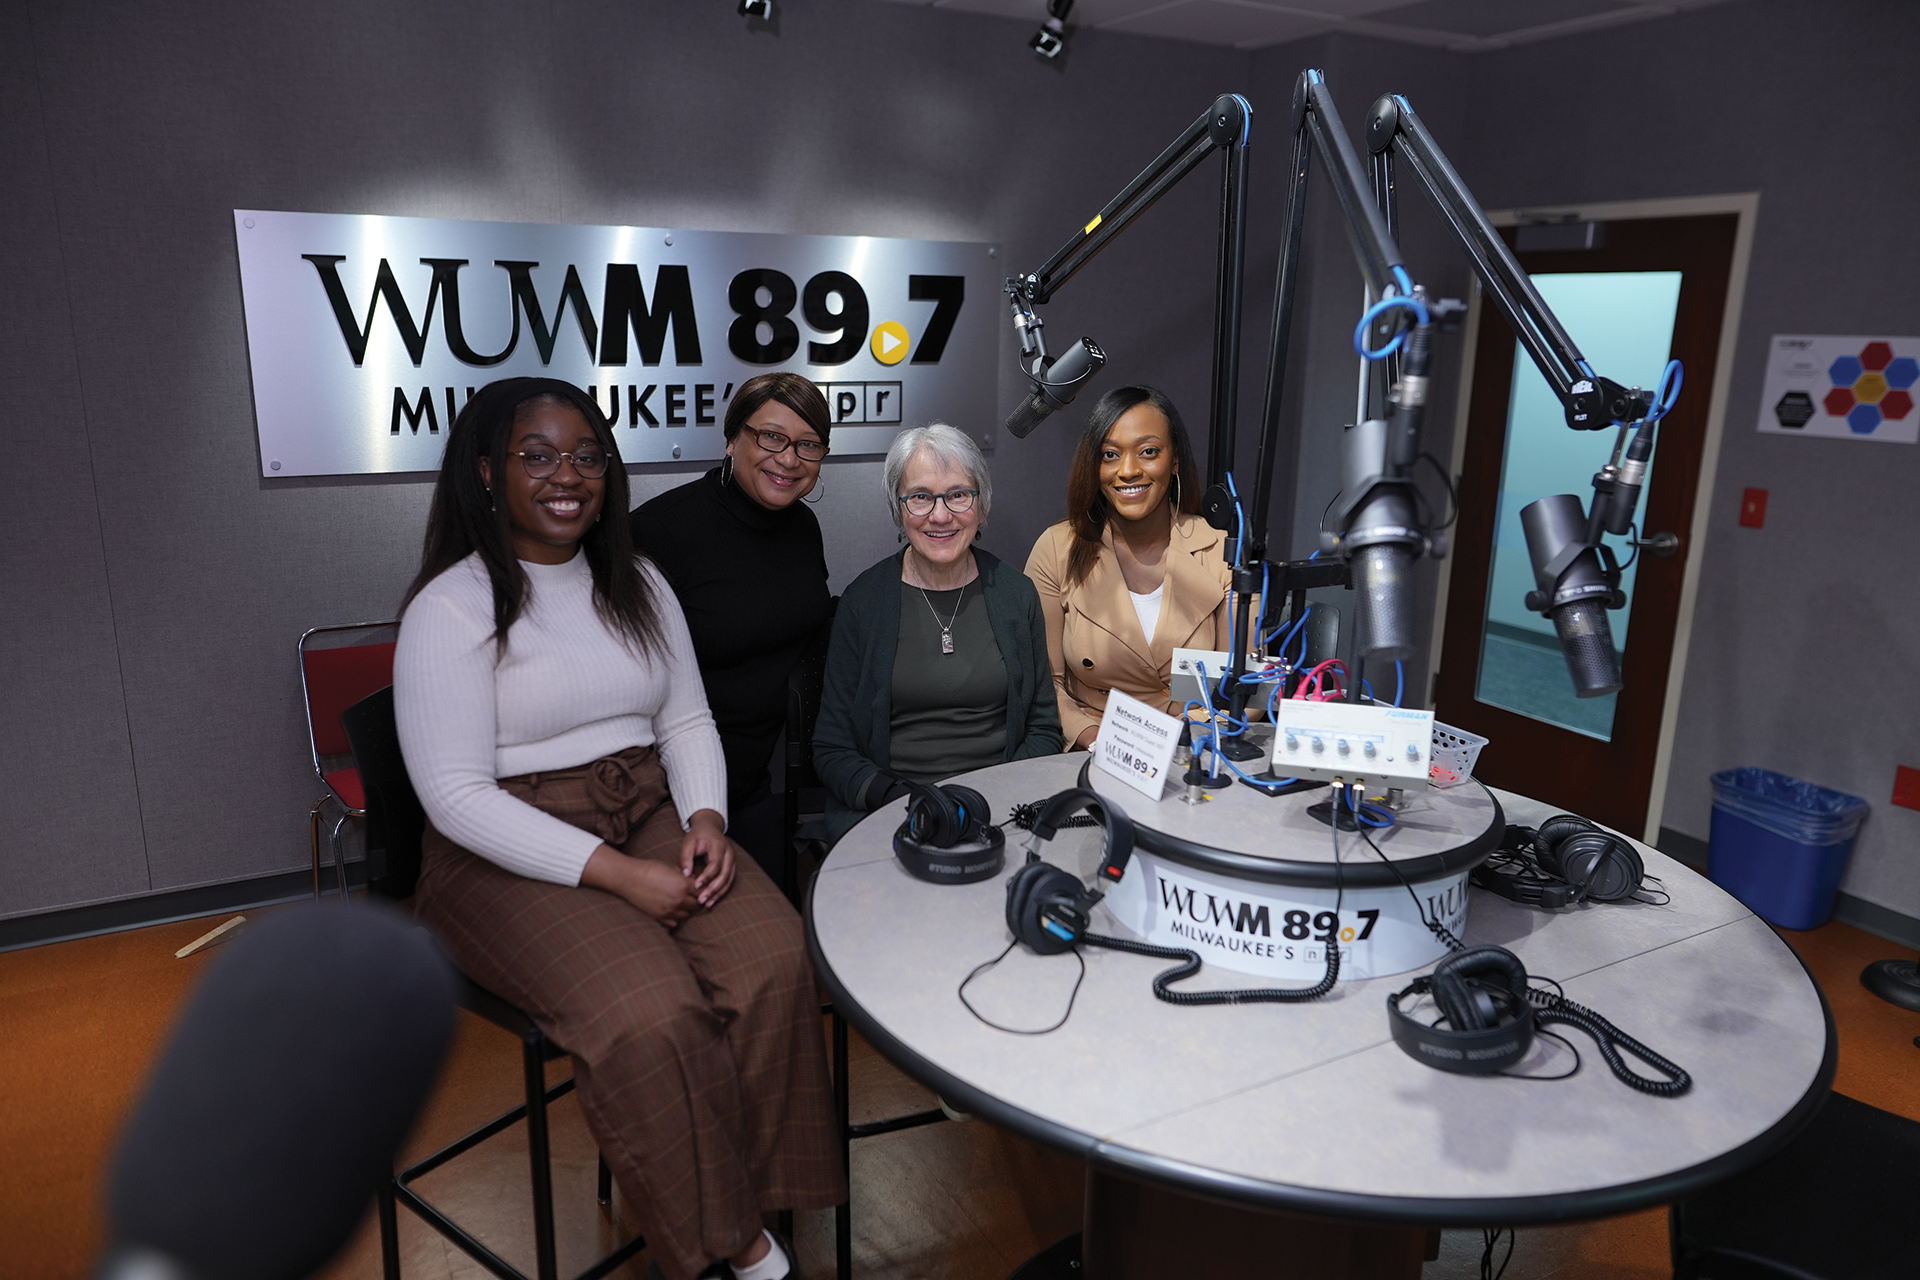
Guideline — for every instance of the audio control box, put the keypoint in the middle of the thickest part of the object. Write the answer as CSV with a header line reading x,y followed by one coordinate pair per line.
x,y
1353,741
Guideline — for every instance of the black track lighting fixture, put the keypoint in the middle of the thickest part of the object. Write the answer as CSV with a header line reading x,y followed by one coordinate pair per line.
x,y
1050,41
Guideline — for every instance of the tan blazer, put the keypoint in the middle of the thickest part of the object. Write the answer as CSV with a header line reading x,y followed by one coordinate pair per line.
x,y
1093,634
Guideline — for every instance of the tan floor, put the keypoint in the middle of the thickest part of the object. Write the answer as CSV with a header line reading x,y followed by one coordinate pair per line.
x,y
961,1201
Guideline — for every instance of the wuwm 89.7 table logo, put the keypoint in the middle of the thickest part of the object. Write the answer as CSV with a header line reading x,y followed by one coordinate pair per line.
x,y
367,334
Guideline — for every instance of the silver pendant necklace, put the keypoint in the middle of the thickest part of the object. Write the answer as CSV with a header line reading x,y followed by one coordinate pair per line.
x,y
946,628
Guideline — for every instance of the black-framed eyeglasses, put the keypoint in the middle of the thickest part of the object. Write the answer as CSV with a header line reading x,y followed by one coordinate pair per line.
x,y
920,502
780,442
588,464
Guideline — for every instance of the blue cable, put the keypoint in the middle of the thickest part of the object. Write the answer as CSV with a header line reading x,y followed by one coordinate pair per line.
x,y
1405,299
1399,681
1666,391
1356,808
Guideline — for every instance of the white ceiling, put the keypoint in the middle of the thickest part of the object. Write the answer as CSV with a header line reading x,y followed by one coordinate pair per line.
x,y
1467,25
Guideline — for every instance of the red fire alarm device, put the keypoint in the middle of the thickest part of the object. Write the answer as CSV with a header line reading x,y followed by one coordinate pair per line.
x,y
1753,509
1906,787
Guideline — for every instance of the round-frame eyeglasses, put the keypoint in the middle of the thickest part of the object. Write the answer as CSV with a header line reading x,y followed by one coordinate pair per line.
x,y
920,503
589,463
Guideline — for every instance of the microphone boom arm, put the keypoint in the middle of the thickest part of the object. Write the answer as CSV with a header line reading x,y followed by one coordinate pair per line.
x,y
1225,126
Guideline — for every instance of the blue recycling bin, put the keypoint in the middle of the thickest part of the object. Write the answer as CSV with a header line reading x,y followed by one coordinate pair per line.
x,y
1780,844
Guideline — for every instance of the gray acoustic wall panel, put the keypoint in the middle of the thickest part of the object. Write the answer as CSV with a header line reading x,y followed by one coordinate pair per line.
x,y
72,828
190,574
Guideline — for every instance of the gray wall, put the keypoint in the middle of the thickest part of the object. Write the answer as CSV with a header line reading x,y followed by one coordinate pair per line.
x,y
155,585
150,726
1806,641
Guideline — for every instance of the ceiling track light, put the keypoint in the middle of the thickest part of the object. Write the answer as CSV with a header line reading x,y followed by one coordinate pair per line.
x,y
1050,41
761,9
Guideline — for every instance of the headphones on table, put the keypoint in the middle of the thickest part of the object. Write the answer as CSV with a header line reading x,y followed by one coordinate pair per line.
x,y
948,836
1565,861
1482,997
1049,908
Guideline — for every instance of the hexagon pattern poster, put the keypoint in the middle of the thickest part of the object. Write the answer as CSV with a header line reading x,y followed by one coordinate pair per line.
x,y
1852,388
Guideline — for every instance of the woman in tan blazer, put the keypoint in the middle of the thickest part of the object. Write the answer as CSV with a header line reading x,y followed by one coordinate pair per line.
x,y
1132,551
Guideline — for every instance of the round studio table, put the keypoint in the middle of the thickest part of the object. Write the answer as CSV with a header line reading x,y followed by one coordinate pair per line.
x,y
1298,1139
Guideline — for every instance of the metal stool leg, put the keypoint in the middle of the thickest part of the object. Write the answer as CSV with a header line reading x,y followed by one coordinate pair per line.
x,y
389,1232
340,857
843,1212
532,1061
313,829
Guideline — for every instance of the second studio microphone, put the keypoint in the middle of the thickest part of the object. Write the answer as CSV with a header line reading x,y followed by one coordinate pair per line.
x,y
1059,381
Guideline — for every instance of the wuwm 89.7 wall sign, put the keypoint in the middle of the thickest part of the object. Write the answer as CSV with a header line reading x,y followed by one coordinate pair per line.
x,y
367,334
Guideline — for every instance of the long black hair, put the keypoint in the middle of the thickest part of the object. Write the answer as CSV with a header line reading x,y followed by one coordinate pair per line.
x,y
1087,502
464,518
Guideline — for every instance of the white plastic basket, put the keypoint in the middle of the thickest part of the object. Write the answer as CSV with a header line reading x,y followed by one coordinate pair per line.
x,y
1454,753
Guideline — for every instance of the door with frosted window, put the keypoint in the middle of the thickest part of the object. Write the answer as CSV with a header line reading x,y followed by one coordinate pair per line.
x,y
1654,288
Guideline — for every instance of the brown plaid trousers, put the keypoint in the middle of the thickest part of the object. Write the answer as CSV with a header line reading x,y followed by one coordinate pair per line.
x,y
697,1050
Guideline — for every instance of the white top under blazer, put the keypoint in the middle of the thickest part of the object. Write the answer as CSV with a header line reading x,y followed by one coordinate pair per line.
x,y
567,691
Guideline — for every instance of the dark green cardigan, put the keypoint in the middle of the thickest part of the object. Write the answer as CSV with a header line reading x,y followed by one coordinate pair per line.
x,y
850,740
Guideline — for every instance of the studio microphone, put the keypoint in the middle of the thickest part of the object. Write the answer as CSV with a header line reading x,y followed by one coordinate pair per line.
x,y
1575,589
282,1096
1379,533
1056,384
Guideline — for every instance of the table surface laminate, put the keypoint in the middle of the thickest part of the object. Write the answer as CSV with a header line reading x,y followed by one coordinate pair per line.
x,y
1311,1108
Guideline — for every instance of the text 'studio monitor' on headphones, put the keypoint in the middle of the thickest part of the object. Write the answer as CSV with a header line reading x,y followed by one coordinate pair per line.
x,y
1049,908
1482,997
948,836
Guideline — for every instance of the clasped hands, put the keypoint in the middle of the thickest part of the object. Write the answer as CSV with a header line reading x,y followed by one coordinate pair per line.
x,y
667,893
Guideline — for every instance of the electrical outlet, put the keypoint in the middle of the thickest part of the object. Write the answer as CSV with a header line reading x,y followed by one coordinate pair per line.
x,y
1906,787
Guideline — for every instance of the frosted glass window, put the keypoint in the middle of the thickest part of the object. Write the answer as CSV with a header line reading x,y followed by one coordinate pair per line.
x,y
1622,321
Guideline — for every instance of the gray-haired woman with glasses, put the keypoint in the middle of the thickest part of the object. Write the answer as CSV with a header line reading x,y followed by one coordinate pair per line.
x,y
743,554
938,663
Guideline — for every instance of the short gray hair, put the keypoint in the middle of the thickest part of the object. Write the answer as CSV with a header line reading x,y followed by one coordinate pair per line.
x,y
951,447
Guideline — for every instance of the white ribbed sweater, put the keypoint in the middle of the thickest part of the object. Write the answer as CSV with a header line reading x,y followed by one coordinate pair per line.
x,y
567,692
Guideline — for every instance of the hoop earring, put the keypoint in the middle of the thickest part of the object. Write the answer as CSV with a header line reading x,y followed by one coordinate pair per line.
x,y
814,494
726,470
1176,491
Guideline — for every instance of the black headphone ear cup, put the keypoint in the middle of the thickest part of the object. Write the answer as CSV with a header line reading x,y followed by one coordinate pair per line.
x,y
1033,887
972,813
1605,868
932,817
1455,1000
1553,833
1461,985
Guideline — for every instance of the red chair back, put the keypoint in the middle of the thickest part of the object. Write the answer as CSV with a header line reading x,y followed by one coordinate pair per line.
x,y
336,679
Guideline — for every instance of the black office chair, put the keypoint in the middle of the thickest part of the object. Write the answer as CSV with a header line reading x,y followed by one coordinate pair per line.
x,y
1837,1204
801,787
395,824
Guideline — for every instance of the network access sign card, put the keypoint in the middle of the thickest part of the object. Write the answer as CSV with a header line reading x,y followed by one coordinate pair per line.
x,y
368,334
1848,388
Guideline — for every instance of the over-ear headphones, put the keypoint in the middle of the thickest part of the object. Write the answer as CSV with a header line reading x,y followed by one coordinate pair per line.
x,y
1565,861
1482,997
1048,908
948,836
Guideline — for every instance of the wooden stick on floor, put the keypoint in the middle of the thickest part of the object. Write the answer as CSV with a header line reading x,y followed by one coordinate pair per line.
x,y
212,938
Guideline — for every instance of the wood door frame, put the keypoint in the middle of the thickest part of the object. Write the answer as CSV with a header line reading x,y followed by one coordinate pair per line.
x,y
1745,205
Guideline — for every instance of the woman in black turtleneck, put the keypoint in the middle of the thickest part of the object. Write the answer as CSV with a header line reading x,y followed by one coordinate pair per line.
x,y
744,556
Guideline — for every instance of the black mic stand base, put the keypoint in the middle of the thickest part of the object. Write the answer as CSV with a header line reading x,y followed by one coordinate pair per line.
x,y
1895,981
1325,812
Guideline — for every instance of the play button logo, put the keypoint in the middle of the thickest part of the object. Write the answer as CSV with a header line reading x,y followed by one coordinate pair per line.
x,y
890,342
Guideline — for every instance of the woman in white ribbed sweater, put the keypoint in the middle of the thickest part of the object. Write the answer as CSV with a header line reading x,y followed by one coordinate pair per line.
x,y
576,862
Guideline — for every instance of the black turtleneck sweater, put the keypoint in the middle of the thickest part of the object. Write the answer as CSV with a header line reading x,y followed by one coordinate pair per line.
x,y
753,584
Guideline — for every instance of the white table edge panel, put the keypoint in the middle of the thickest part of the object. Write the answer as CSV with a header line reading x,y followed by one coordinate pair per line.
x,y
1034,1086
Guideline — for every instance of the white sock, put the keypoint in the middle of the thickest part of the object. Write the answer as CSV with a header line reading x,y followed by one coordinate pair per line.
x,y
771,1267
